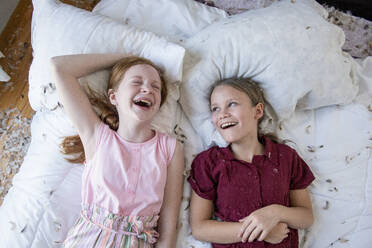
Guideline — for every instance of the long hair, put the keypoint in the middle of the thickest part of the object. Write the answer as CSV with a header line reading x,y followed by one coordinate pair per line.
x,y
255,94
107,112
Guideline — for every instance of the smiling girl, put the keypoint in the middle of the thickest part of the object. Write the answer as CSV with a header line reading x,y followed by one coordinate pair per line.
x,y
255,187
133,175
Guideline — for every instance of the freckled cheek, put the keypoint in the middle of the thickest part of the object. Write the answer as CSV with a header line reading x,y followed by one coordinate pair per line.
x,y
214,120
123,99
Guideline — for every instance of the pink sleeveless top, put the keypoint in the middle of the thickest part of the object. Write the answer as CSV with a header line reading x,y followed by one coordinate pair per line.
x,y
127,178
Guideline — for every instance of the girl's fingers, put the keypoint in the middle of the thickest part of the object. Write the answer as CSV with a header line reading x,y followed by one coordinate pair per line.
x,y
244,226
247,232
285,236
241,220
263,235
255,233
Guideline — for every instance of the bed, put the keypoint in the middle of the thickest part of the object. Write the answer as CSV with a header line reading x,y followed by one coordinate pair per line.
x,y
321,95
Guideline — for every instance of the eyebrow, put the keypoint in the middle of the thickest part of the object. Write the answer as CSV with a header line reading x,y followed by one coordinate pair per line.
x,y
228,100
140,77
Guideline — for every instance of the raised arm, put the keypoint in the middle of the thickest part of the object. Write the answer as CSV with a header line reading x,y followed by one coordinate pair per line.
x,y
65,71
172,200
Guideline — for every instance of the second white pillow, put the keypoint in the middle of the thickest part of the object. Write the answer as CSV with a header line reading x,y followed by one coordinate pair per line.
x,y
289,48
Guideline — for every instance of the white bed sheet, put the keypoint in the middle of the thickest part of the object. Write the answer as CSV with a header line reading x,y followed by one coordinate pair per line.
x,y
45,198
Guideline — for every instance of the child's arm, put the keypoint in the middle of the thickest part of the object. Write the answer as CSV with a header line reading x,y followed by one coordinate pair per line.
x,y
299,216
205,229
65,71
172,200
277,234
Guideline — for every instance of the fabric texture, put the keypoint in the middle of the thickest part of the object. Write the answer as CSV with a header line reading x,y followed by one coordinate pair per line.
x,y
190,15
97,227
216,175
127,178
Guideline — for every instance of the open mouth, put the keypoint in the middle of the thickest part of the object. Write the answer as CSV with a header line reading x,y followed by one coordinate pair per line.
x,y
143,103
227,125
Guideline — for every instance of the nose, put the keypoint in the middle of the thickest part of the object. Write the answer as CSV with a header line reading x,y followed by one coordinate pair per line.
x,y
223,114
145,88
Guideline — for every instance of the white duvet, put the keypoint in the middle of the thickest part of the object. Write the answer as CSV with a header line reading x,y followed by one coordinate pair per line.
x,y
335,140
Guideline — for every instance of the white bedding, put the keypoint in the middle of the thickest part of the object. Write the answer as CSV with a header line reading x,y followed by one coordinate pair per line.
x,y
336,141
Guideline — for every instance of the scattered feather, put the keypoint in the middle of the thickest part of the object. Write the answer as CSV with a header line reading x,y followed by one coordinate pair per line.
x,y
343,240
326,206
281,126
12,225
57,226
311,148
349,158
23,229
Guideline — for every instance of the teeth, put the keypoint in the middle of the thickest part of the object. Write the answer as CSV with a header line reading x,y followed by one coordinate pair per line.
x,y
228,124
143,102
147,102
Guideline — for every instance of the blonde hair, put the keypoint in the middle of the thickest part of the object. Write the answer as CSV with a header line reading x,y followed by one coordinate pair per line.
x,y
72,145
255,94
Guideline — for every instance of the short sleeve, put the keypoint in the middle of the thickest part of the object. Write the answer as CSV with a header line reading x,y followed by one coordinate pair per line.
x,y
201,179
301,175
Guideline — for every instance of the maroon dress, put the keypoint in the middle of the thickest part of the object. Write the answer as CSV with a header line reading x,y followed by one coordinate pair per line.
x,y
238,188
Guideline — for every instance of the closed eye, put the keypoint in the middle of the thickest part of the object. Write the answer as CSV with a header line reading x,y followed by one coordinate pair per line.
x,y
156,86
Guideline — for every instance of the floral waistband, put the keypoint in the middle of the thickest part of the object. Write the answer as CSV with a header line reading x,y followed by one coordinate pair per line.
x,y
143,227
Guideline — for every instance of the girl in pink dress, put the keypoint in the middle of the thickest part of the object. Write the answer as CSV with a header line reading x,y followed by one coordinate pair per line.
x,y
133,175
255,186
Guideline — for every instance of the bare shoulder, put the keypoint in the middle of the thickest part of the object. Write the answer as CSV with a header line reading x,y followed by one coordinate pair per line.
x,y
178,156
90,144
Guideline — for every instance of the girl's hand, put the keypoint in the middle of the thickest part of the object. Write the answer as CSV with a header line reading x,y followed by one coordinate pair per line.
x,y
258,224
277,234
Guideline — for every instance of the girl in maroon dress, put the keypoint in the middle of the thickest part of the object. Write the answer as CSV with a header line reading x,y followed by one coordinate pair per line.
x,y
255,187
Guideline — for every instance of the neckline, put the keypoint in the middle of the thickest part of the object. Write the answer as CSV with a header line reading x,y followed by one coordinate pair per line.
x,y
147,142
270,151
255,158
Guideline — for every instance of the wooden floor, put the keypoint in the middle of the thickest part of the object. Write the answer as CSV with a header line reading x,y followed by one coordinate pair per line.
x,y
15,44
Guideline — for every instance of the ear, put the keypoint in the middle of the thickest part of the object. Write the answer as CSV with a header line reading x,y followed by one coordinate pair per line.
x,y
112,96
259,111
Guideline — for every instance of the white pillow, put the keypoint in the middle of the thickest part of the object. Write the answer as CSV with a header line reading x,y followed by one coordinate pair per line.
x,y
59,29
289,48
175,19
